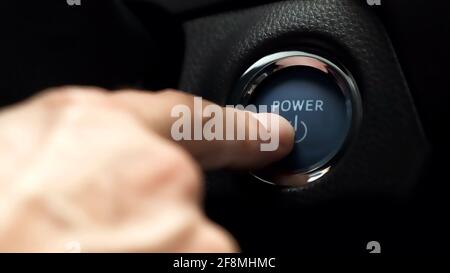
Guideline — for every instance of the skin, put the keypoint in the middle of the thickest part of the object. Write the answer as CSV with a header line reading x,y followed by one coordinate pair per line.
x,y
83,169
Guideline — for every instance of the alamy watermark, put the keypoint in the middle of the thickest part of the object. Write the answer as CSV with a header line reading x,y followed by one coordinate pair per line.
x,y
374,2
73,2
213,122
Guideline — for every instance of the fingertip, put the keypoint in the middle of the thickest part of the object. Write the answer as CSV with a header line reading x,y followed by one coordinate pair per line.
x,y
287,136
284,130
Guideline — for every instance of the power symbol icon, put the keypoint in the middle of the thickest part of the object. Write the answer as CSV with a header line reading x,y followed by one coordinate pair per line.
x,y
301,130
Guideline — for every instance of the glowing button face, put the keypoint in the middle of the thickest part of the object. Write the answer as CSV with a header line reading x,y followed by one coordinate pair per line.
x,y
317,109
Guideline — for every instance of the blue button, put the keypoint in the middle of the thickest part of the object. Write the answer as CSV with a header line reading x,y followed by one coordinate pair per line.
x,y
317,108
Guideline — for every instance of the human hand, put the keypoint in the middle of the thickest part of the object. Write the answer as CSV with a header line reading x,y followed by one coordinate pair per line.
x,y
99,169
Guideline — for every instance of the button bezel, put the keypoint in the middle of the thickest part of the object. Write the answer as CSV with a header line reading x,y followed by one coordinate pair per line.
x,y
270,64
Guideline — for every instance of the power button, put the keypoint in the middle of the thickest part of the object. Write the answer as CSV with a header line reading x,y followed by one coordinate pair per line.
x,y
321,101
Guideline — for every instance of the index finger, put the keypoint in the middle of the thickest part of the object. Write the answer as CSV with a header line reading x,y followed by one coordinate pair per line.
x,y
156,110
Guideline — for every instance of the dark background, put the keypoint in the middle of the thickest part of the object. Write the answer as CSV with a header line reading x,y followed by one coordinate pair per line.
x,y
141,44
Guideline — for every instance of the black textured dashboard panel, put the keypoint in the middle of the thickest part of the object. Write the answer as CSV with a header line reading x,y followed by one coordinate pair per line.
x,y
388,154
